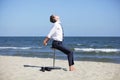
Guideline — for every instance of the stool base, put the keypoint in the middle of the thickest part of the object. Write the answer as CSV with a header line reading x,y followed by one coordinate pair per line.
x,y
43,69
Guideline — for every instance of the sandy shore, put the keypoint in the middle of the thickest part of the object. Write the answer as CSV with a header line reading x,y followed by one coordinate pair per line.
x,y
12,68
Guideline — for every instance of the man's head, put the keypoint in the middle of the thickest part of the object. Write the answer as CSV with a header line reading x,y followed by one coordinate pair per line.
x,y
54,18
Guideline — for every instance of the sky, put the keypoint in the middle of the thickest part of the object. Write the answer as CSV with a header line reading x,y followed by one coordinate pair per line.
x,y
78,17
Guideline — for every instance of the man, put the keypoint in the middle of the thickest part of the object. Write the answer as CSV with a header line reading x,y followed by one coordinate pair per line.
x,y
56,34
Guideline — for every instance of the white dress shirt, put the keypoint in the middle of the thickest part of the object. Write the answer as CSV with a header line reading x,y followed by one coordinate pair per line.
x,y
56,33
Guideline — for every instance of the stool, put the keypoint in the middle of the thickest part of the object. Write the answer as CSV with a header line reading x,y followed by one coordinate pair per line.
x,y
54,57
53,67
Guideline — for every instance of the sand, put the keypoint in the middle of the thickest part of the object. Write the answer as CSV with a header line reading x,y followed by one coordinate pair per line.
x,y
12,68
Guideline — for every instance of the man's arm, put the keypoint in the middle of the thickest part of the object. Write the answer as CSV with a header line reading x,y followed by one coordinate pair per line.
x,y
46,41
52,31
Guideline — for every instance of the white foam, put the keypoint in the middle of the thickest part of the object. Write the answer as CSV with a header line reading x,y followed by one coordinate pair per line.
x,y
79,44
15,47
96,50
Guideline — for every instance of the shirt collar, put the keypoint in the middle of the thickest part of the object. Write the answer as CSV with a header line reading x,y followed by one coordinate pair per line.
x,y
58,21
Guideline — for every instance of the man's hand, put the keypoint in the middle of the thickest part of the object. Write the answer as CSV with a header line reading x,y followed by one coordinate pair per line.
x,y
46,41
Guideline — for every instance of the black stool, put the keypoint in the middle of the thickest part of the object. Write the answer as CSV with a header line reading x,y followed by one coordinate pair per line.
x,y
53,67
54,57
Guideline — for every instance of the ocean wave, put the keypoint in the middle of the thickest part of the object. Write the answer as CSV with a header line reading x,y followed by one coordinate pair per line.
x,y
23,48
96,50
81,45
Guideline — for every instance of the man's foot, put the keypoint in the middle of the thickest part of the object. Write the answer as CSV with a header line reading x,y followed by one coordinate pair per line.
x,y
71,68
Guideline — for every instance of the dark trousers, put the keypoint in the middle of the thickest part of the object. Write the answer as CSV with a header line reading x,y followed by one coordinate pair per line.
x,y
58,45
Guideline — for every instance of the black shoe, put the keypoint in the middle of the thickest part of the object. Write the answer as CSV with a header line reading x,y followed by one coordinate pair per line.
x,y
42,69
47,69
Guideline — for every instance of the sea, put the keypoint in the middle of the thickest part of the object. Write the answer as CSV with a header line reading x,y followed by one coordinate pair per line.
x,y
96,49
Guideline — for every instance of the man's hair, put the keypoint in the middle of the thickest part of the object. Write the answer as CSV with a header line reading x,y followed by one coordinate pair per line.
x,y
52,19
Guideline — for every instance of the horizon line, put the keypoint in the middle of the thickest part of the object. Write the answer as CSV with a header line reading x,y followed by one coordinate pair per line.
x,y
64,36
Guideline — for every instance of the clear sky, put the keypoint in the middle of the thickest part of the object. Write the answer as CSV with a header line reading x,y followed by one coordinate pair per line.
x,y
78,17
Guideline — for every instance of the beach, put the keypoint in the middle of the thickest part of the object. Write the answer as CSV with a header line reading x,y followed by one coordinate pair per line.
x,y
12,68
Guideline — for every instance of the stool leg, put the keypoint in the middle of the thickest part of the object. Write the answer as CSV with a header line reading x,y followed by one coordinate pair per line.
x,y
54,59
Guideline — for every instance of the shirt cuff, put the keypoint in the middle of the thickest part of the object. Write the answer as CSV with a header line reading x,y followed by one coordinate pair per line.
x,y
48,36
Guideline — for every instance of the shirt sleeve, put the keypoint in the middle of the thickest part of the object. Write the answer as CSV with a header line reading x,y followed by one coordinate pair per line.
x,y
52,31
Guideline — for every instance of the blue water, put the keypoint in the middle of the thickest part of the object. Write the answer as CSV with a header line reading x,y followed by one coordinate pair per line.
x,y
102,49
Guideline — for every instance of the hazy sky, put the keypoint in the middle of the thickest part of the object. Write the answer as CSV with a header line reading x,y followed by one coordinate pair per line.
x,y
78,17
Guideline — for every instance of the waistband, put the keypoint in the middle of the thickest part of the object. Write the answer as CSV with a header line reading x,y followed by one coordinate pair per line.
x,y
57,41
